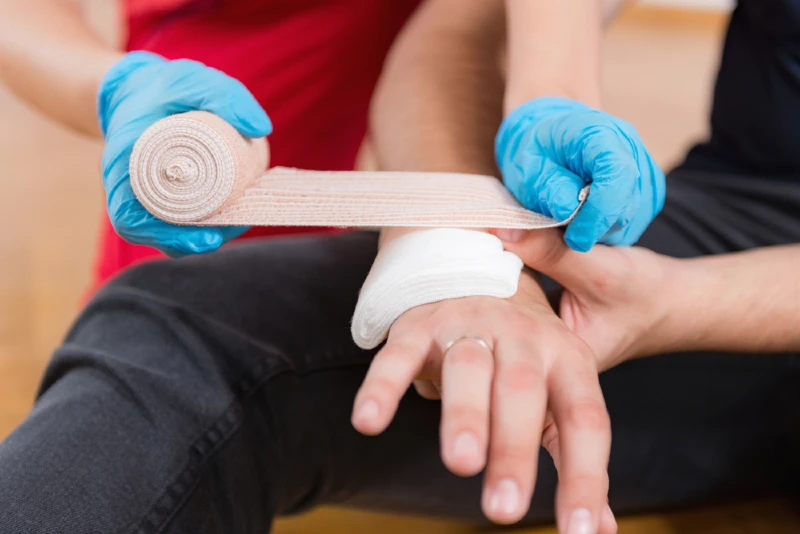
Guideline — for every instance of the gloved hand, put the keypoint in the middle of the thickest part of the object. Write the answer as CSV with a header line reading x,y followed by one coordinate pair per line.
x,y
548,149
141,89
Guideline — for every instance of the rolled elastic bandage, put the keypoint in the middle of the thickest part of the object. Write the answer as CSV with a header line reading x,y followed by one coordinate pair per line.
x,y
429,266
195,169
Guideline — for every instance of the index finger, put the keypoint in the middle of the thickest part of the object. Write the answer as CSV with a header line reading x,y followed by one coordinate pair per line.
x,y
545,251
390,375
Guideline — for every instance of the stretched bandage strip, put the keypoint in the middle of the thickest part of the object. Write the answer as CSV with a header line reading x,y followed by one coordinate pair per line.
x,y
196,169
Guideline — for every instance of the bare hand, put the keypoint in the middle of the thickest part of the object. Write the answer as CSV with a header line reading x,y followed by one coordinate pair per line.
x,y
495,400
614,297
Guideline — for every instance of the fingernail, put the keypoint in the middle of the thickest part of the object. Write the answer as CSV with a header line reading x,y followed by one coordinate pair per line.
x,y
580,522
505,499
466,446
508,234
367,412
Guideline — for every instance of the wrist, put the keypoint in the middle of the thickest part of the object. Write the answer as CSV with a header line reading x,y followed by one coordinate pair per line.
x,y
682,316
588,94
518,120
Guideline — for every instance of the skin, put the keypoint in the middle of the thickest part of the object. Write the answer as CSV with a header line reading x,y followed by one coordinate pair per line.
x,y
631,302
437,108
456,69
453,52
495,402
553,49
51,59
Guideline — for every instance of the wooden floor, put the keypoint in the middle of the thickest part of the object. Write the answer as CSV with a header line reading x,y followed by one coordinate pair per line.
x,y
659,68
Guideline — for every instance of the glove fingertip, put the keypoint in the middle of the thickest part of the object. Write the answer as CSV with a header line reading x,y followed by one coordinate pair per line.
x,y
563,204
578,244
254,125
245,113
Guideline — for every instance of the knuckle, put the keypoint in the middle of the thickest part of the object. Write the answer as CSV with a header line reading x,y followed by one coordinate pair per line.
x,y
466,415
589,414
581,489
520,376
469,355
408,322
382,388
576,352
514,453
518,322
586,483
585,353
400,352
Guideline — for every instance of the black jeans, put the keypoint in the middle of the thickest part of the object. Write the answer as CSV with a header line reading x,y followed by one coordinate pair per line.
x,y
210,394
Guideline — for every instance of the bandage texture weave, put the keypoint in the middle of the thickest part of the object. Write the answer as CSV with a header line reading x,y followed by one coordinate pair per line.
x,y
196,169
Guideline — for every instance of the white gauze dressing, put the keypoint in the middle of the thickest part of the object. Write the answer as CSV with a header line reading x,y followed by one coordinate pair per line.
x,y
429,266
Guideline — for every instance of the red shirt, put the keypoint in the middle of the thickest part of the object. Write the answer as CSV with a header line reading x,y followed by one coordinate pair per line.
x,y
311,64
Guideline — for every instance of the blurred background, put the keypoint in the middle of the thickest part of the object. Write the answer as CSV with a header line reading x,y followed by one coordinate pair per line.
x,y
660,59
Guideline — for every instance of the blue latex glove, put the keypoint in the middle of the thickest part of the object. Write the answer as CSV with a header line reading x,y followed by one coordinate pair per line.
x,y
139,90
548,149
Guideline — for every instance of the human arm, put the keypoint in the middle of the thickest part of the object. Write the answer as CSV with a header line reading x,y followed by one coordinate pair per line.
x,y
555,139
553,50
53,60
439,100
534,382
436,109
631,302
742,302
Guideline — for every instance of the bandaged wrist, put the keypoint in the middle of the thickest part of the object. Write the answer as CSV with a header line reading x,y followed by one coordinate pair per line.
x,y
430,266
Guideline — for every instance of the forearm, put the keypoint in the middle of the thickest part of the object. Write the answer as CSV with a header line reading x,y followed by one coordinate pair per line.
x,y
51,59
554,49
742,302
439,101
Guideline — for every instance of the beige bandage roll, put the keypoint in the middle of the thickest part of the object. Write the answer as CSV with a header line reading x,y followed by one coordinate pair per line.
x,y
196,169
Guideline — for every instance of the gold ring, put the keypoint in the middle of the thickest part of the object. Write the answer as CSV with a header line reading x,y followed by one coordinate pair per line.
x,y
479,340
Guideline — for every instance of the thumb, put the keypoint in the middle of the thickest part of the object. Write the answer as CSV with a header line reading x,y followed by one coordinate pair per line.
x,y
546,251
242,111
211,90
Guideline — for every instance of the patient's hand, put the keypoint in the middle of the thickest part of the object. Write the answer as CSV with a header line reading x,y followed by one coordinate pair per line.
x,y
616,299
495,399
